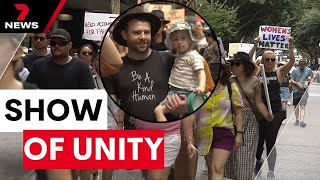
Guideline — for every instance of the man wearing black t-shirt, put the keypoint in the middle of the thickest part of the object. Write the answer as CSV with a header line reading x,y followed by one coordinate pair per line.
x,y
61,71
41,42
142,83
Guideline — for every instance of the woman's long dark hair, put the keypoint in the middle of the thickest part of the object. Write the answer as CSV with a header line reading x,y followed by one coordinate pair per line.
x,y
249,68
224,78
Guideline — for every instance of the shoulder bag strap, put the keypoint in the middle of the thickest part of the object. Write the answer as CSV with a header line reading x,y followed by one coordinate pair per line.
x,y
244,94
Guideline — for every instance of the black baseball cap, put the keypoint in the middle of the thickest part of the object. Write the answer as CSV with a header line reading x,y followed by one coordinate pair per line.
x,y
60,33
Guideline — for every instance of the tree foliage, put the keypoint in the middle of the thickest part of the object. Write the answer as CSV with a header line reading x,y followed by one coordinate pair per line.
x,y
222,19
307,34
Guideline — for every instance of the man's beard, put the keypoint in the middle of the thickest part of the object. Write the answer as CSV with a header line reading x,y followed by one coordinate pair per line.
x,y
133,47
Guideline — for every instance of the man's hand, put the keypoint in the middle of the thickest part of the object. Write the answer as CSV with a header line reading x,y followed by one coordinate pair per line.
x,y
300,86
177,103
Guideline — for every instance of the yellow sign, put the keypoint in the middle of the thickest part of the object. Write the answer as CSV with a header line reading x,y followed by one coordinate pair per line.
x,y
174,15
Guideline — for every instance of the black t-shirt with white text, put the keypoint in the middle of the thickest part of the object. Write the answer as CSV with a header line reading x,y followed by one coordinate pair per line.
x,y
141,85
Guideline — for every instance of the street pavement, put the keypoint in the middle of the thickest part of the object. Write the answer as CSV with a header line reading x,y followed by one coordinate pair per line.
x,y
298,148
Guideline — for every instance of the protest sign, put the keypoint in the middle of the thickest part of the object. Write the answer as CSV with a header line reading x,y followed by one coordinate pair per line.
x,y
174,15
222,50
274,37
97,24
236,47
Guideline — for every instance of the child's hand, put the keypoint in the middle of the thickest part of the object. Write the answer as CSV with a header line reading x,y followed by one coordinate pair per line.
x,y
200,89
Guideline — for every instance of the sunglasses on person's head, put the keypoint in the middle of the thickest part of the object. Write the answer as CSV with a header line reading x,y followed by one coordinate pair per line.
x,y
86,53
59,43
270,59
36,38
235,63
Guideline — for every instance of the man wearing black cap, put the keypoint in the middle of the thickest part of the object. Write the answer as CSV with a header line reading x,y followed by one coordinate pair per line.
x,y
158,40
61,71
142,83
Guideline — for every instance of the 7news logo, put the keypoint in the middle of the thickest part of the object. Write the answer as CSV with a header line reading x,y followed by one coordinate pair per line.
x,y
20,23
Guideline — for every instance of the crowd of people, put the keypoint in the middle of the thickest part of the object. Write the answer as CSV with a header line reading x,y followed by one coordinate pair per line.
x,y
229,130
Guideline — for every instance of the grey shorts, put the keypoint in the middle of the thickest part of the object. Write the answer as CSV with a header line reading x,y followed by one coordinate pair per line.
x,y
300,99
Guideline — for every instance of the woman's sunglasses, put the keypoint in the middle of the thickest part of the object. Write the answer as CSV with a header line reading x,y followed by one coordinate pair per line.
x,y
270,59
86,53
235,63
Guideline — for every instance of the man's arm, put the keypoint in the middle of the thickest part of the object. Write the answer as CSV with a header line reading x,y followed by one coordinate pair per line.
x,y
110,59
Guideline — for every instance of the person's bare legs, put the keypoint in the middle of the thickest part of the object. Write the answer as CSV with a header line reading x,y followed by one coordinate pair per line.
x,y
185,167
75,174
86,174
107,174
216,160
302,112
158,174
296,111
160,112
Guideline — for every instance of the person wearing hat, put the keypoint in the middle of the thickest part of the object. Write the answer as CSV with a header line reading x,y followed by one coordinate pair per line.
x,y
187,74
88,50
301,78
275,77
61,71
214,127
240,165
142,82
158,40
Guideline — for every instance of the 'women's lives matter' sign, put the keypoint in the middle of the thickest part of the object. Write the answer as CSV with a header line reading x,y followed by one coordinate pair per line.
x,y
274,37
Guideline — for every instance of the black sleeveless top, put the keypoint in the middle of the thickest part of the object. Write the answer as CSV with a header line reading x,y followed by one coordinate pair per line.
x,y
274,91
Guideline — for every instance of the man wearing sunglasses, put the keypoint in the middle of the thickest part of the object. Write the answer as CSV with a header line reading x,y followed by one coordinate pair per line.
x,y
40,45
268,131
61,71
300,78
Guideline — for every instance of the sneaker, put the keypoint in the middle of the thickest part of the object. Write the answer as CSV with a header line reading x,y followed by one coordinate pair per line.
x,y
258,166
297,123
271,176
302,124
284,122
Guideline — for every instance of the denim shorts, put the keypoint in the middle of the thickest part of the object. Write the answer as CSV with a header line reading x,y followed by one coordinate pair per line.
x,y
284,93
